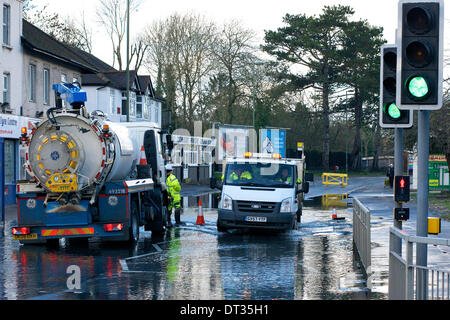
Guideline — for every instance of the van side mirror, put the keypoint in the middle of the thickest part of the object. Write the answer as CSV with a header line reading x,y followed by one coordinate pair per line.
x,y
304,187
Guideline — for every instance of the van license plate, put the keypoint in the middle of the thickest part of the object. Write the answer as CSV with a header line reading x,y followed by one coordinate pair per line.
x,y
255,219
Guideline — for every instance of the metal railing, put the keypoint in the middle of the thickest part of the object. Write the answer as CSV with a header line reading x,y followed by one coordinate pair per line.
x,y
404,274
361,233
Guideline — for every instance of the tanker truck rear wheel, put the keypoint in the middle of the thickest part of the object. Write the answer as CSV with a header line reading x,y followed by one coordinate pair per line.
x,y
158,225
134,223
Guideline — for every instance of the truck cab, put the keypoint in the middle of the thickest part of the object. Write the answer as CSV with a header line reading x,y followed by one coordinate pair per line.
x,y
261,191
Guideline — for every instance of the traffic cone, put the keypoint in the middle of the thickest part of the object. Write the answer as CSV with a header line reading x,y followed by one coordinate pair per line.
x,y
334,215
200,218
143,160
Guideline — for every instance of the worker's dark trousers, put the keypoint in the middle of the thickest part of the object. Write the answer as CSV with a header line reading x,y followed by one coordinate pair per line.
x,y
391,181
177,215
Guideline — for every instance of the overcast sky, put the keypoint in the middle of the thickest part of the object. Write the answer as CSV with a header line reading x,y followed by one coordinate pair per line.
x,y
258,15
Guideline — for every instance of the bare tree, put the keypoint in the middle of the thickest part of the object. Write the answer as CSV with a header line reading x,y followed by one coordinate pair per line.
x,y
234,54
139,51
68,30
180,54
112,15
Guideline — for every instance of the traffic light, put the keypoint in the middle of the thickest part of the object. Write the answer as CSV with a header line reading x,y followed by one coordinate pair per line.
x,y
420,58
401,188
390,115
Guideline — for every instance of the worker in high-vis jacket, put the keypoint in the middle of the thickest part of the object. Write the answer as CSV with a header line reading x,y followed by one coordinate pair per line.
x,y
286,178
173,189
239,174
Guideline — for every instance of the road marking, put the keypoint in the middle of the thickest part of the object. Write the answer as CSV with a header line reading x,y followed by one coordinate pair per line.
x,y
124,265
141,256
158,248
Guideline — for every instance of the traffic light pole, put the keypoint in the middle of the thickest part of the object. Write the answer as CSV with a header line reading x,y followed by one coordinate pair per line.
x,y
398,171
423,146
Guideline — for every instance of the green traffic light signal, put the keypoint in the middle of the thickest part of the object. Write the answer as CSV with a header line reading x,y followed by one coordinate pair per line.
x,y
392,110
418,87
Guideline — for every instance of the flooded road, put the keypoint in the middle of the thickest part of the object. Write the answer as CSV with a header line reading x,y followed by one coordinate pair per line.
x,y
197,262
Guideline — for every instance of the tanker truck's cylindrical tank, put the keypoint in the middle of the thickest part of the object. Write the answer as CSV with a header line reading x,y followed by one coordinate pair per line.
x,y
75,145
128,143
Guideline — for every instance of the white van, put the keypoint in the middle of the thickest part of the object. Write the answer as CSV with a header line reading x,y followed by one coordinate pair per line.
x,y
261,191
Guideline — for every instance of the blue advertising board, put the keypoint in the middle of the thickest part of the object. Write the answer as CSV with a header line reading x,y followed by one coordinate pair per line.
x,y
273,141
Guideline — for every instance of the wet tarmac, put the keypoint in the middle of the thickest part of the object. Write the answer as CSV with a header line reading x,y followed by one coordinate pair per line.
x,y
197,262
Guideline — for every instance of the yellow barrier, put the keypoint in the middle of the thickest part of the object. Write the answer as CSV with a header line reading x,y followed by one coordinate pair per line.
x,y
338,179
334,200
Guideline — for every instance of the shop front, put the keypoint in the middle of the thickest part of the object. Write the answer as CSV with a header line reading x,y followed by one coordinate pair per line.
x,y
12,153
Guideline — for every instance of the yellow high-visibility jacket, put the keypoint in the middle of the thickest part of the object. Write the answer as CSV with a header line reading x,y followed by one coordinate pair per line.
x,y
174,188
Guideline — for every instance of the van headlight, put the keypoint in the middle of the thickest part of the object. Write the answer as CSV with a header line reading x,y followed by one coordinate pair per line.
x,y
227,203
286,205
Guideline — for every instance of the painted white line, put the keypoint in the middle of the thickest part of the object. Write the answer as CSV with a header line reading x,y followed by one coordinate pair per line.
x,y
141,256
124,265
158,248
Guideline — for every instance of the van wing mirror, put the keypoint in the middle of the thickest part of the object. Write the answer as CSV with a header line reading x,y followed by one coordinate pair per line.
x,y
304,187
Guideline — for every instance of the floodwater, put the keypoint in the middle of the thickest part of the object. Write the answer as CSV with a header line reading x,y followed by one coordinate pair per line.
x,y
316,261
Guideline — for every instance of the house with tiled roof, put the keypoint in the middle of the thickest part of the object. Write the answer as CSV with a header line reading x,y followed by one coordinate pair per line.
x,y
31,61
106,92
49,61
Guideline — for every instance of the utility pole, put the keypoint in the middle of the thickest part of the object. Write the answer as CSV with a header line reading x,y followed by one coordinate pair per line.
x,y
398,171
423,144
420,66
128,62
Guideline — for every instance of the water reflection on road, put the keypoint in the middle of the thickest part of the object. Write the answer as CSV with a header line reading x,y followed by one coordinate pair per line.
x,y
198,262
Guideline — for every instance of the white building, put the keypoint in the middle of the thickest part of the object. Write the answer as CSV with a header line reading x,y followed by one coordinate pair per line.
x,y
106,92
10,57
31,61
11,69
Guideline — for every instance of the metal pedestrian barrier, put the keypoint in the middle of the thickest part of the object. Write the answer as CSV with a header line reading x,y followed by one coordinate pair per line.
x,y
361,233
338,179
404,274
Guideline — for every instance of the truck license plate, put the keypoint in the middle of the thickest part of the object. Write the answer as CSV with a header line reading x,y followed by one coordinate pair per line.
x,y
30,236
255,219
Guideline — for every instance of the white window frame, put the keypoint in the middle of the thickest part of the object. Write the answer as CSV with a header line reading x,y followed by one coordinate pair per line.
x,y
141,104
112,101
6,92
46,80
132,104
32,78
6,24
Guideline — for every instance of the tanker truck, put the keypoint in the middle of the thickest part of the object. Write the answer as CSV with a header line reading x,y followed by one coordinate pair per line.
x,y
89,177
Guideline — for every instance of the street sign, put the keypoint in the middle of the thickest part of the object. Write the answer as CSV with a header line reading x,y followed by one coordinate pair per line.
x,y
390,115
273,141
420,54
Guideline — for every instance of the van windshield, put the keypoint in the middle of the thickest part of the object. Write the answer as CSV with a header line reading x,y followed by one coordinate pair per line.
x,y
275,175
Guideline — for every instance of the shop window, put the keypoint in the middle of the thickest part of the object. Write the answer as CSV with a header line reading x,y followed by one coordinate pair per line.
x,y
9,161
